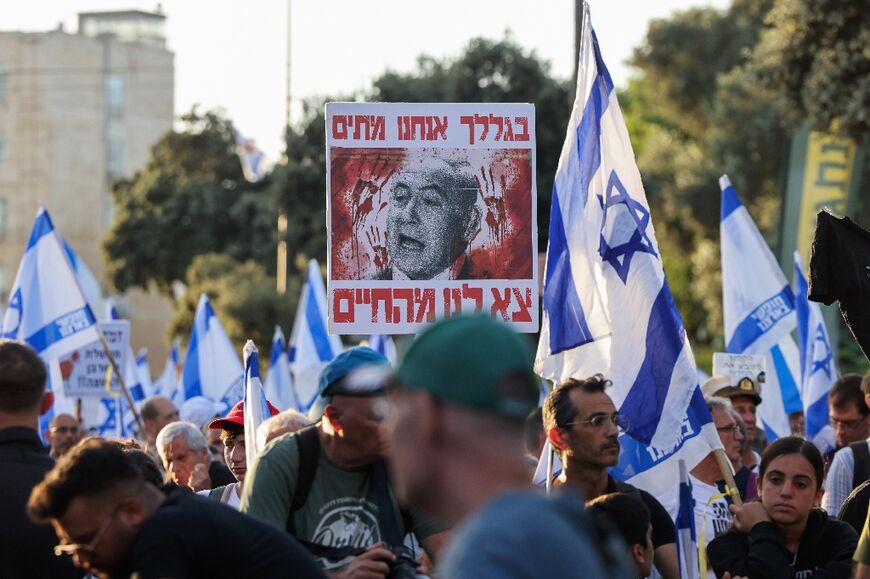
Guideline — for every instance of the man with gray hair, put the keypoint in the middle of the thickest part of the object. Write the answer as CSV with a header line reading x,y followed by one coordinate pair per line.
x,y
184,454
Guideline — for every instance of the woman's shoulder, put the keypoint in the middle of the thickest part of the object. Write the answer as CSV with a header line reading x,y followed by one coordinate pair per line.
x,y
820,523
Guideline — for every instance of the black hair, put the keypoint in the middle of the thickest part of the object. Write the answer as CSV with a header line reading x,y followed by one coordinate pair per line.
x,y
794,445
848,390
559,410
534,426
90,468
230,431
627,513
22,377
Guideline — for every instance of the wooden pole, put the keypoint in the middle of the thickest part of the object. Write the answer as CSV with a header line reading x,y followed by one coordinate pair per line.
x,y
120,376
725,467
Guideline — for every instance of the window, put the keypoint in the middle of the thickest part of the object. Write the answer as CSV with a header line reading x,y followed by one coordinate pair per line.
x,y
115,94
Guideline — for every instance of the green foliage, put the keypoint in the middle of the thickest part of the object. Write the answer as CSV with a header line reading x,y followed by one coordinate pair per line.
x,y
191,199
243,296
816,58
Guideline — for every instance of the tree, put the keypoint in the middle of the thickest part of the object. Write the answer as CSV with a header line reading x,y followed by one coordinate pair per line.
x,y
243,296
814,57
192,198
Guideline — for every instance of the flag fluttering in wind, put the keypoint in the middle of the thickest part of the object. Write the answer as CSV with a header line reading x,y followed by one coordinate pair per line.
x,y
168,383
278,385
607,305
256,408
311,346
818,367
759,312
251,157
212,367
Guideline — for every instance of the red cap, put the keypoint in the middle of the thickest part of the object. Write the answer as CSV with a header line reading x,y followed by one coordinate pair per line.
x,y
236,416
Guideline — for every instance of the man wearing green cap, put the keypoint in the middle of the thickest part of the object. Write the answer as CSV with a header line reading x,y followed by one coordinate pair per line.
x,y
327,483
460,399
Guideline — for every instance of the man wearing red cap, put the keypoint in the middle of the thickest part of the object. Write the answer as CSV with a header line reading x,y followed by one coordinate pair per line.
x,y
232,427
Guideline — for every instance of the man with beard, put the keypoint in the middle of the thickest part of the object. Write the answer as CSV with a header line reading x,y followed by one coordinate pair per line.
x,y
582,424
114,523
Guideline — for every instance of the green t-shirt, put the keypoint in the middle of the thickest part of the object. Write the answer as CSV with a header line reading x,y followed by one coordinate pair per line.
x,y
341,509
862,553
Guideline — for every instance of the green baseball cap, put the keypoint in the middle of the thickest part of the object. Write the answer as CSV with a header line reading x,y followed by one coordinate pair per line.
x,y
466,360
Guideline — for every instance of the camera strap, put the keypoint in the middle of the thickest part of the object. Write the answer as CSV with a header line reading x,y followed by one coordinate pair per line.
x,y
387,519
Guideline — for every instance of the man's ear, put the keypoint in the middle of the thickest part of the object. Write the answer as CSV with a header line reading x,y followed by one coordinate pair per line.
x,y
557,438
638,554
333,416
47,402
132,512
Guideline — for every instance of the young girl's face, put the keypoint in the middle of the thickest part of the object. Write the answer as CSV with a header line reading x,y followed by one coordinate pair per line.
x,y
789,489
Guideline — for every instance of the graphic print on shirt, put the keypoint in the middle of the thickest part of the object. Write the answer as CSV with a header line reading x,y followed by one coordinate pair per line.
x,y
347,522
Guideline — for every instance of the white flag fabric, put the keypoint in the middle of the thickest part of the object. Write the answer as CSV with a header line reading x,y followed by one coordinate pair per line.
x,y
168,383
385,346
256,408
91,288
818,367
46,307
759,311
279,387
311,346
143,372
687,542
212,367
607,305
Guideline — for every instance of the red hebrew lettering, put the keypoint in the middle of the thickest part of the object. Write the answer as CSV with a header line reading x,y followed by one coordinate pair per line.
x,y
499,122
418,121
384,295
378,123
339,126
501,305
406,294
473,293
484,121
342,306
438,128
525,304
468,120
358,122
524,123
425,300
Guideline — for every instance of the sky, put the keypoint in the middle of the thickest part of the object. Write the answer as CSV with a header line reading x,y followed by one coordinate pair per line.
x,y
233,54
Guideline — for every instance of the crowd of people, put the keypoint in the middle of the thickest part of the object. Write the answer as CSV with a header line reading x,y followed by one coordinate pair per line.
x,y
421,470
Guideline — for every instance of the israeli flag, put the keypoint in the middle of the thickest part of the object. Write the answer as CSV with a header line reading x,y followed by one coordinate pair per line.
x,y
279,387
256,409
91,288
607,305
687,542
46,307
311,346
818,368
212,367
759,312
168,383
143,372
385,346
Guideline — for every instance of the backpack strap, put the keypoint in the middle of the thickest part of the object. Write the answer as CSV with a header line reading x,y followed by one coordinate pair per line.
x,y
861,453
308,445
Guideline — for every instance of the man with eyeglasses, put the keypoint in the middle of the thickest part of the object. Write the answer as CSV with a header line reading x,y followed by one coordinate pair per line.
x,y
63,434
850,466
583,426
25,547
114,523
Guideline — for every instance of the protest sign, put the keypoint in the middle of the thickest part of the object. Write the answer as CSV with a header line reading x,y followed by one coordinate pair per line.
x,y
740,367
431,210
84,371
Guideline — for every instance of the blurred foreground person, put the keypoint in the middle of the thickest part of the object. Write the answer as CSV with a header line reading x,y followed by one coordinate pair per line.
x,y
25,547
115,524
782,535
460,399
327,484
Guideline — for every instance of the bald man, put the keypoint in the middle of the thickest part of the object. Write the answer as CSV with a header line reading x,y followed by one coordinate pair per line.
x,y
63,433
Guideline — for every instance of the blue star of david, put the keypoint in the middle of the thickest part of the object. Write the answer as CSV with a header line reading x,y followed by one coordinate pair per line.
x,y
619,255
825,363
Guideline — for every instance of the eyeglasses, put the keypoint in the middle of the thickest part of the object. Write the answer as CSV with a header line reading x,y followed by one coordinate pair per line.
x,y
65,429
732,428
847,424
73,548
602,420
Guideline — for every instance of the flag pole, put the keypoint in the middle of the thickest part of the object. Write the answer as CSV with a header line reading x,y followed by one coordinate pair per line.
x,y
120,376
725,467
549,482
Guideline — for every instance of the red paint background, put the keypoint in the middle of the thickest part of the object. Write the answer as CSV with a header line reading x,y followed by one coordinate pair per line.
x,y
359,185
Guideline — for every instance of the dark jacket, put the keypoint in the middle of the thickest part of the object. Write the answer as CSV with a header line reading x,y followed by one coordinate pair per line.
x,y
26,549
825,551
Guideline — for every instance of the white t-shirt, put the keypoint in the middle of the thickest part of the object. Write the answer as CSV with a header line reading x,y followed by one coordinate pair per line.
x,y
233,498
718,517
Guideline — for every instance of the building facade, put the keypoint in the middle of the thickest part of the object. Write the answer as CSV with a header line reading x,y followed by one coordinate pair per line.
x,y
76,112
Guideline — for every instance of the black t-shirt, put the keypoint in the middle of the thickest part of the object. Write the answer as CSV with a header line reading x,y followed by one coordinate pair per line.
x,y
663,531
840,270
192,537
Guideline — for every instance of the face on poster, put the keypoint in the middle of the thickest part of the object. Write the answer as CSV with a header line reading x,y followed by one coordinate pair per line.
x,y
431,213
